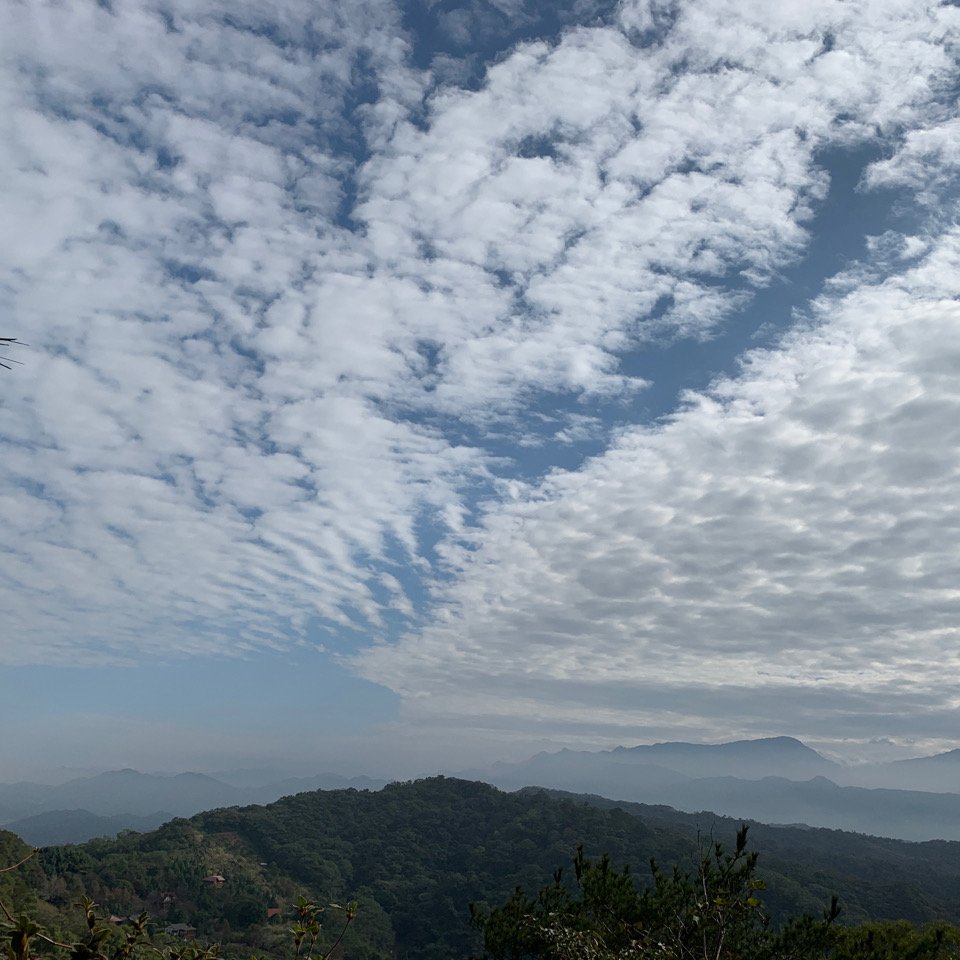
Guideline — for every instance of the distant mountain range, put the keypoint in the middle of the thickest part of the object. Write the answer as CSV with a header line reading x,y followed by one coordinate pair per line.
x,y
77,826
107,803
939,773
773,780
744,759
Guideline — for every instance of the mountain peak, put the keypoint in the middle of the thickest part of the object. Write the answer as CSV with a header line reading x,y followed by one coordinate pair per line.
x,y
758,744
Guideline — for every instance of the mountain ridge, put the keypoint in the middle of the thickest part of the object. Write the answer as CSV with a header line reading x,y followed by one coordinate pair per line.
x,y
773,779
417,853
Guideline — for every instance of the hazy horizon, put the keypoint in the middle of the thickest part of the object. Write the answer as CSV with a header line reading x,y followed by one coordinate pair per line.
x,y
265,770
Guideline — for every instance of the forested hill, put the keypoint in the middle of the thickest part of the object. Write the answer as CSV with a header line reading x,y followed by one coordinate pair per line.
x,y
877,877
416,854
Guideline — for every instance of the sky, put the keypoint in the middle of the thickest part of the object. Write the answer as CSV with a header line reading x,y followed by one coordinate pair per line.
x,y
412,385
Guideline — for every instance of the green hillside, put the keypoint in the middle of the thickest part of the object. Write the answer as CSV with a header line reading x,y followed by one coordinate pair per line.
x,y
415,855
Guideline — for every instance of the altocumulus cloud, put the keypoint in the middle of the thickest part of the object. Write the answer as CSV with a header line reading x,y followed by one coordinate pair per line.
x,y
779,554
284,287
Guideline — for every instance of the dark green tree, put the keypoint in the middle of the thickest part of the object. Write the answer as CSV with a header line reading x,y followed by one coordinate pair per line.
x,y
713,914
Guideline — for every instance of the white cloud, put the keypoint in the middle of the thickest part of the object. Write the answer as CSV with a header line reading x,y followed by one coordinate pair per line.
x,y
235,413
780,552
598,181
927,159
172,201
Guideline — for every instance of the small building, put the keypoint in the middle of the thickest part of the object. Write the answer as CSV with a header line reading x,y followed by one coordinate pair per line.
x,y
274,912
182,931
215,880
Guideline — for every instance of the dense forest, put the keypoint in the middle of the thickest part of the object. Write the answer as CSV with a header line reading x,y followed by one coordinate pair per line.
x,y
415,856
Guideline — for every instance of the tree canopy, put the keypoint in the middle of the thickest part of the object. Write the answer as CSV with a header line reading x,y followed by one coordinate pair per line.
x,y
713,913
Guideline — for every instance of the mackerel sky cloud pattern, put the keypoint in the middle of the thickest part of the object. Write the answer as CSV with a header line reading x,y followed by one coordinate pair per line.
x,y
337,338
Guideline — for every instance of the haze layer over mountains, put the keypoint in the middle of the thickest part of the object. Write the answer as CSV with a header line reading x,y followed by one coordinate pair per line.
x,y
746,760
772,780
104,804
